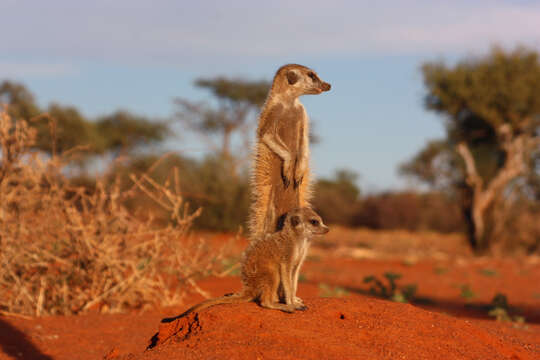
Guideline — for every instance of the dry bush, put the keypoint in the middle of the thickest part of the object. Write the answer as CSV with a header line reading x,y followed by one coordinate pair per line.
x,y
411,211
64,250
516,227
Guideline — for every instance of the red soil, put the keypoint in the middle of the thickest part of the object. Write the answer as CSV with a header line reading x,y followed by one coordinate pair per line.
x,y
348,328
440,323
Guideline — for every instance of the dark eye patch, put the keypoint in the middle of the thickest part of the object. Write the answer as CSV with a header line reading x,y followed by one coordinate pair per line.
x,y
295,220
292,78
314,222
312,76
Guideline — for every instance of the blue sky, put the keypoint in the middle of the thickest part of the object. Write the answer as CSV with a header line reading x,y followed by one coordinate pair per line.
x,y
138,55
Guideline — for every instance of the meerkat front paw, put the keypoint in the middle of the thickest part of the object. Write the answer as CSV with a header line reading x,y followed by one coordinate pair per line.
x,y
298,181
286,173
299,173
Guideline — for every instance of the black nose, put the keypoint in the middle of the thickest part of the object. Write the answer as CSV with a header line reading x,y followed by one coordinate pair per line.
x,y
326,86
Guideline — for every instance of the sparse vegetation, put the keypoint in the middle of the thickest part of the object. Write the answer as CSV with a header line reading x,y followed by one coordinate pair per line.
x,y
466,292
337,199
488,272
500,310
489,157
391,291
409,210
440,270
68,250
326,290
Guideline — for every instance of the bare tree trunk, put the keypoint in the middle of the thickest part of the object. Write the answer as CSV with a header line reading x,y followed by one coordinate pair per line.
x,y
466,208
483,196
226,144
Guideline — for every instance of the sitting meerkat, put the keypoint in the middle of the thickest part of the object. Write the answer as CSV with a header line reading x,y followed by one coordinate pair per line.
x,y
274,261
280,178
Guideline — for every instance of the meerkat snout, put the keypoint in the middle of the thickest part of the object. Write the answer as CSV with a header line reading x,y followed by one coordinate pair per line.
x,y
324,229
319,85
318,228
317,82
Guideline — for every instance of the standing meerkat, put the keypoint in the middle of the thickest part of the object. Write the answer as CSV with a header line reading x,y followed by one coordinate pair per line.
x,y
280,178
272,262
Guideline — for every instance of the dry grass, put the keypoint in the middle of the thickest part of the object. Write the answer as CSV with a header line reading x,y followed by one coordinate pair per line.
x,y
65,250
366,243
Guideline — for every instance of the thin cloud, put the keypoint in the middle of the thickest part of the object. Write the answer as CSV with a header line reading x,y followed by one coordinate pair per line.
x,y
21,70
177,32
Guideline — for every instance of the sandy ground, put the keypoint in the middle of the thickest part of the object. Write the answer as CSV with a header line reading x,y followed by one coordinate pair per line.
x,y
446,319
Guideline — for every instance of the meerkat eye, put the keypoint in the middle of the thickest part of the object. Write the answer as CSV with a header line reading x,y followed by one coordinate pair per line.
x,y
311,75
314,222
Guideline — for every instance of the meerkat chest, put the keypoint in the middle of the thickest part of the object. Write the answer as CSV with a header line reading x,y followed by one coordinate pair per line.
x,y
290,125
301,251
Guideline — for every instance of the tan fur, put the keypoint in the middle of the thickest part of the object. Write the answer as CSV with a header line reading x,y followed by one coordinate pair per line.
x,y
273,263
281,178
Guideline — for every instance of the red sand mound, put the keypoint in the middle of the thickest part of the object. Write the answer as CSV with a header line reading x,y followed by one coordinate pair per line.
x,y
350,328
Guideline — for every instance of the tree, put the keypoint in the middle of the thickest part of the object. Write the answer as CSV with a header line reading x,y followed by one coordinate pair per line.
x,y
434,165
236,99
491,107
337,199
22,104
66,128
125,131
61,128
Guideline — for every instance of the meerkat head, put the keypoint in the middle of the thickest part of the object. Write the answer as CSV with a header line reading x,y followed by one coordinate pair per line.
x,y
306,221
299,80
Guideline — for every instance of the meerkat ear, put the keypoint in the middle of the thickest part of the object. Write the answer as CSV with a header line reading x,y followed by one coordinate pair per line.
x,y
295,220
292,77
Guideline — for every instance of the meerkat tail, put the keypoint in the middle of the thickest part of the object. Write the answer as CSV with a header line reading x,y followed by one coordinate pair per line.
x,y
262,214
305,191
270,216
227,299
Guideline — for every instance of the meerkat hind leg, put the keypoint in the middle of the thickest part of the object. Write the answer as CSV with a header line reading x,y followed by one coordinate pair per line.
x,y
268,295
297,302
287,283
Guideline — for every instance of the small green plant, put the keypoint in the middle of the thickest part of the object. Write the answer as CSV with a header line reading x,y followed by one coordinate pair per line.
x,y
467,293
326,290
488,272
439,270
390,291
302,278
500,310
